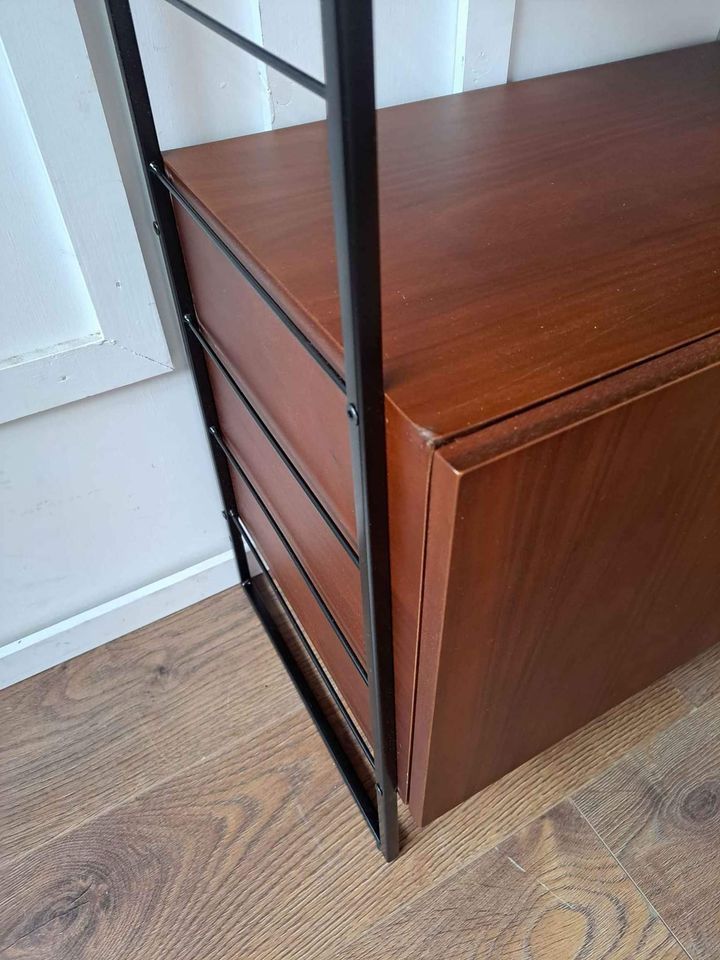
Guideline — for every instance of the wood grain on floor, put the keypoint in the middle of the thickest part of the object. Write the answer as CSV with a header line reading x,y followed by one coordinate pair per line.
x,y
551,890
658,810
92,732
167,797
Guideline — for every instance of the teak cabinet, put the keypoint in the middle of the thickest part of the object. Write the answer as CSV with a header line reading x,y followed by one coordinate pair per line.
x,y
551,307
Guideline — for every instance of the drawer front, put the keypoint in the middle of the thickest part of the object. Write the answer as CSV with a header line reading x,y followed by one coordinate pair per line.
x,y
330,567
345,676
303,407
563,577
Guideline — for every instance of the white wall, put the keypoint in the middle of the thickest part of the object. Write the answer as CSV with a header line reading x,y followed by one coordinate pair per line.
x,y
555,35
101,497
110,513
110,496
201,87
414,52
428,48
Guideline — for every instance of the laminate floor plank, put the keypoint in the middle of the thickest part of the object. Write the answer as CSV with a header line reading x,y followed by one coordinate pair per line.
x,y
258,853
658,810
94,731
196,867
549,892
699,680
238,840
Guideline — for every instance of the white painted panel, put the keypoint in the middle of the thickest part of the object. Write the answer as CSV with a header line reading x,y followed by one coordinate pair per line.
x,y
104,496
414,52
108,334
67,372
555,35
202,87
45,299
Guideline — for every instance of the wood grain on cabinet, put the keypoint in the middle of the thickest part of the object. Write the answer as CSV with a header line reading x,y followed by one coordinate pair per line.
x,y
302,406
306,412
561,578
331,568
534,236
304,606
551,308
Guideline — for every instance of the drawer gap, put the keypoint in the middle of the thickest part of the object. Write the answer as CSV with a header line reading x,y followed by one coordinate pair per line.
x,y
307,648
212,353
341,758
317,596
258,287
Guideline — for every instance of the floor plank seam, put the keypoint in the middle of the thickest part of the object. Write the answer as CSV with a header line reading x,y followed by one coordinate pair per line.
x,y
445,877
645,741
632,880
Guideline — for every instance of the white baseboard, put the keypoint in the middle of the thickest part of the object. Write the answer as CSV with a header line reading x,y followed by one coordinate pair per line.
x,y
69,638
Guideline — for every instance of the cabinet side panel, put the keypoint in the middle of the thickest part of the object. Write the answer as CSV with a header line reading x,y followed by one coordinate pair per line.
x,y
436,663
409,460
580,569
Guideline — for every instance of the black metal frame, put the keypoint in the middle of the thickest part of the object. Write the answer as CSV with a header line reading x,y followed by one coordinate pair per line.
x,y
349,92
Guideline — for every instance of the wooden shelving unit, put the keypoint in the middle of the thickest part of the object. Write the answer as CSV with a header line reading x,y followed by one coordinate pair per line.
x,y
546,396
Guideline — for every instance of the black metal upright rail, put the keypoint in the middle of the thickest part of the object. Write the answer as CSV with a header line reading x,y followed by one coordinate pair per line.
x,y
349,92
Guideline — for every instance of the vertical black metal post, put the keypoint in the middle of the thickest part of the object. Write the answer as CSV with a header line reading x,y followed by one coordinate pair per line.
x,y
133,76
350,93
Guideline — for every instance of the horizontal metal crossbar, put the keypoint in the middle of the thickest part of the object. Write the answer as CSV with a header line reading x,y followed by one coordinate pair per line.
x,y
305,341
270,437
249,46
235,464
308,650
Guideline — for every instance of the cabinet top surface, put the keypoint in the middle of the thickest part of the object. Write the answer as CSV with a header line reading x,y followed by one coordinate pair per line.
x,y
534,236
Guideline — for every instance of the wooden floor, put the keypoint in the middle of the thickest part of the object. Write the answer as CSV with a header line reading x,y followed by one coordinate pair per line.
x,y
166,798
